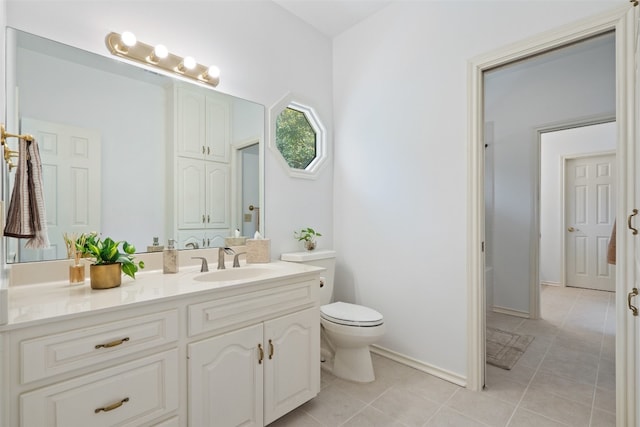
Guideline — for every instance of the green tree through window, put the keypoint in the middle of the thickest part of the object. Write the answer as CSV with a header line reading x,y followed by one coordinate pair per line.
x,y
295,138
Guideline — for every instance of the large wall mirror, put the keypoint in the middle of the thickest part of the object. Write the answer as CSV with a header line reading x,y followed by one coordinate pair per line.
x,y
108,136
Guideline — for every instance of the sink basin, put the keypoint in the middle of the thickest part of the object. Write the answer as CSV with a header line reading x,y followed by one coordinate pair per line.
x,y
232,274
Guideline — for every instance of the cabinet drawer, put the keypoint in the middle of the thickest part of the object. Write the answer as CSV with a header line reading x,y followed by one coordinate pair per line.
x,y
146,388
255,306
55,354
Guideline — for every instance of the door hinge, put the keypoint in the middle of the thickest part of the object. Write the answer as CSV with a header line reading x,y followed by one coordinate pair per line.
x,y
482,246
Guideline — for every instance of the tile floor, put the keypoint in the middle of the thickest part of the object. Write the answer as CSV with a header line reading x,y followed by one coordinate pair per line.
x,y
565,378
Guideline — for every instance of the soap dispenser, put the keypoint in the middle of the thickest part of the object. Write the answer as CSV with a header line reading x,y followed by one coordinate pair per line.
x,y
170,258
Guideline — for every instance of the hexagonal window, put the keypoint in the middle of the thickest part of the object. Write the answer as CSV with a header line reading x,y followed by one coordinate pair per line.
x,y
298,137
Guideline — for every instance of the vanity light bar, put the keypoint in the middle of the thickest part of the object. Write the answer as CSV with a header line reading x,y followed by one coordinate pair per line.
x,y
126,47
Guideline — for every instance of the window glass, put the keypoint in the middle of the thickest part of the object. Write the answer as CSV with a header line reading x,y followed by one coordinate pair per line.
x,y
296,138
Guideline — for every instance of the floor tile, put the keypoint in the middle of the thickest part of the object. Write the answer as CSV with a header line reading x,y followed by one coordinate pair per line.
x,y
405,406
603,419
564,387
332,406
428,387
481,407
555,407
524,418
371,417
605,399
449,418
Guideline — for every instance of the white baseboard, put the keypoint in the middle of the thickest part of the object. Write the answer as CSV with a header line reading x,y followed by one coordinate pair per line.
x,y
557,284
510,311
421,366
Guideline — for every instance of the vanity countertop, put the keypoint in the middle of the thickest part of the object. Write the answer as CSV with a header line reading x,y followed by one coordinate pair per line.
x,y
39,303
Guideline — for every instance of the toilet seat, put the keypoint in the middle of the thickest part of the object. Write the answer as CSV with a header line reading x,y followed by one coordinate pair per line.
x,y
346,314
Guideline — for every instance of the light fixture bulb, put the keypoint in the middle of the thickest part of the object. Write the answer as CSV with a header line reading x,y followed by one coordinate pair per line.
x,y
189,63
160,51
213,72
128,38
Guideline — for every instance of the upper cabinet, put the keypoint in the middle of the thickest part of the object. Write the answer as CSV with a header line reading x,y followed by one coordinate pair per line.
x,y
203,125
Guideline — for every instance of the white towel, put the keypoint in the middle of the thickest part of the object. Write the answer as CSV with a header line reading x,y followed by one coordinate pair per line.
x,y
26,217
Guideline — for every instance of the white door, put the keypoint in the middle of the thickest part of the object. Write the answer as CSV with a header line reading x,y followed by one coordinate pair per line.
x,y
225,379
590,200
71,177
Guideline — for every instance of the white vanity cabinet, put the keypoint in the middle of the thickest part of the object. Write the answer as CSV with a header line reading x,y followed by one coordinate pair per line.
x,y
202,125
204,194
252,376
163,350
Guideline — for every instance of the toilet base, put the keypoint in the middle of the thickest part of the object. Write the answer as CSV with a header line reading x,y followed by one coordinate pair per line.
x,y
353,364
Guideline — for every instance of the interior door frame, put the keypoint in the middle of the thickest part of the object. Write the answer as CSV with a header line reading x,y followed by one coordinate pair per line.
x,y
622,20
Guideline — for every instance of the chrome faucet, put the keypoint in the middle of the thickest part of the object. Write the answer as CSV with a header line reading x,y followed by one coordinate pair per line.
x,y
221,251
236,262
193,245
205,265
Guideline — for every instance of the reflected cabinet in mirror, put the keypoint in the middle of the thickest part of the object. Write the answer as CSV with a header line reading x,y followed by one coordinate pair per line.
x,y
131,153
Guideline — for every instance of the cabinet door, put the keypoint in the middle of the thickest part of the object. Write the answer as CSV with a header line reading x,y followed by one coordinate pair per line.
x,y
292,362
217,134
191,193
191,123
218,198
225,380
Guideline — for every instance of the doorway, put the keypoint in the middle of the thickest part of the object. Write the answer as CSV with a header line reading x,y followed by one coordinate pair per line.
x,y
248,188
624,22
572,252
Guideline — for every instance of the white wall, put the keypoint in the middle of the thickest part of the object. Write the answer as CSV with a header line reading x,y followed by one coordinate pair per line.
x,y
558,87
400,117
555,146
263,52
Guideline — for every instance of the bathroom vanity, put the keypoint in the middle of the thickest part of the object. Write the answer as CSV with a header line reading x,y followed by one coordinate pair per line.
x,y
187,349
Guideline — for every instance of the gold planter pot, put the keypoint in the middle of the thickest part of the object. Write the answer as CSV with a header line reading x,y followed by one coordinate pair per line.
x,y
105,276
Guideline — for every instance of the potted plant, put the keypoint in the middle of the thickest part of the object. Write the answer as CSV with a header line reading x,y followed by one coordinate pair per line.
x,y
308,236
109,262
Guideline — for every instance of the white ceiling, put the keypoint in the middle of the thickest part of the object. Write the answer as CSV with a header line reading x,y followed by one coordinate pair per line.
x,y
332,17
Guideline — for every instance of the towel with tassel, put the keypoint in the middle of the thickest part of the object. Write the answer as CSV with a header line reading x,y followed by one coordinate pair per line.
x,y
611,249
26,217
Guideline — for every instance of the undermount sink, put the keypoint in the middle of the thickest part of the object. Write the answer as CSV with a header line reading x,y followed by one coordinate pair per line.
x,y
232,274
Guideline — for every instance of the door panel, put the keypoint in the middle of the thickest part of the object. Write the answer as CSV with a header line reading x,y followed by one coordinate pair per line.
x,y
589,209
71,180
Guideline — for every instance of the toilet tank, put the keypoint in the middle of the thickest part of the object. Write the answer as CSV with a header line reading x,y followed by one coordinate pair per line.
x,y
318,258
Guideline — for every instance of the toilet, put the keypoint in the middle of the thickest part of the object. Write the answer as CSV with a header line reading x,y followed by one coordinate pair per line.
x,y
347,330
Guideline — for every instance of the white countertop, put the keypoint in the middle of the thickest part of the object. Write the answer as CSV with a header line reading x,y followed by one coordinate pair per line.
x,y
29,304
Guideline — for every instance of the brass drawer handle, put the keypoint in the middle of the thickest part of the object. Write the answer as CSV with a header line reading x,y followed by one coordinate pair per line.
x,y
260,354
635,230
112,406
633,293
270,349
112,343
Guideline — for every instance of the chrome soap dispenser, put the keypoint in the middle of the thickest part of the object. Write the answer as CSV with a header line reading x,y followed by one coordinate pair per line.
x,y
170,258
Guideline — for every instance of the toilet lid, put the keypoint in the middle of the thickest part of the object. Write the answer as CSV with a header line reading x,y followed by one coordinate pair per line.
x,y
350,314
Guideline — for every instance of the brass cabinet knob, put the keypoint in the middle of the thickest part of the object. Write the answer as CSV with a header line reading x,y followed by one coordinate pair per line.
x,y
571,229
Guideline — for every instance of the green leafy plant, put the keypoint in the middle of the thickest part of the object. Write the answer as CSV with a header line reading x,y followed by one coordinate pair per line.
x,y
307,234
107,251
